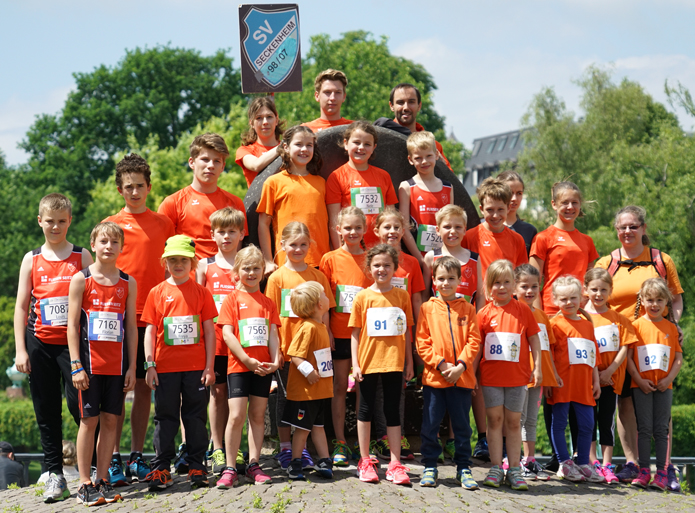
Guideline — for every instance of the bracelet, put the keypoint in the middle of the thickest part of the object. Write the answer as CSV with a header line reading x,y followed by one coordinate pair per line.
x,y
76,371
75,361
305,368
147,365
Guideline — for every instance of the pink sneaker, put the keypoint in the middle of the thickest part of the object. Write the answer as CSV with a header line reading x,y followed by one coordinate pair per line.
x,y
568,470
396,473
256,475
643,479
366,471
228,479
660,481
610,476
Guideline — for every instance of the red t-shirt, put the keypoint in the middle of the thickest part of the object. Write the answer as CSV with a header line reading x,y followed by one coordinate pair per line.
x,y
321,124
256,149
469,276
250,315
178,314
424,206
495,246
219,282
408,276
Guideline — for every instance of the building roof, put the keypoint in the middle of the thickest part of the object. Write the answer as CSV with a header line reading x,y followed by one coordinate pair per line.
x,y
491,150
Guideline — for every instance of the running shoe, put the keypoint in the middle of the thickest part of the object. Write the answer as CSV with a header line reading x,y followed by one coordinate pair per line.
x,y
295,471
553,465
628,473
382,448
228,479
256,475
643,479
56,489
180,463
429,477
219,461
591,474
660,481
241,461
372,452
570,471
198,478
88,495
450,448
159,480
465,477
673,484
515,479
137,469
397,473
107,491
481,450
532,470
609,474
494,477
116,475
285,457
324,468
307,462
366,471
341,453
211,449
406,453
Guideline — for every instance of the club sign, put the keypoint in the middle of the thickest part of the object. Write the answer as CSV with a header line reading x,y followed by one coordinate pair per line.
x,y
270,48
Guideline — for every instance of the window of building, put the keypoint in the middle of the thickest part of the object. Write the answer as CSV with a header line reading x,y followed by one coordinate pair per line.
x,y
476,148
500,145
513,141
491,146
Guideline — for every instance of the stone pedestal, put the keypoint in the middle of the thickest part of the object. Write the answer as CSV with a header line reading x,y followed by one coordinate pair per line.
x,y
15,393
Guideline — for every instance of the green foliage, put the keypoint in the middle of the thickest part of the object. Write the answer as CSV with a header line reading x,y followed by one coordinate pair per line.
x,y
371,71
6,338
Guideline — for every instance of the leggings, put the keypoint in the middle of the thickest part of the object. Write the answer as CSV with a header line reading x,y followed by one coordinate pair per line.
x,y
653,412
604,416
392,383
529,415
585,423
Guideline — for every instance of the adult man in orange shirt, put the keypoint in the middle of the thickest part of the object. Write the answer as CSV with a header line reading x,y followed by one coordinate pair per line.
x,y
405,102
330,91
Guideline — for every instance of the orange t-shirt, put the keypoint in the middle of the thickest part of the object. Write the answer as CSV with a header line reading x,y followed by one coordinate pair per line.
x,y
626,283
311,336
103,345
146,235
408,276
547,340
50,287
369,190
321,124
574,365
178,314
562,253
654,363
287,197
220,282
256,149
504,332
279,288
613,331
495,246
347,276
377,313
249,314
190,212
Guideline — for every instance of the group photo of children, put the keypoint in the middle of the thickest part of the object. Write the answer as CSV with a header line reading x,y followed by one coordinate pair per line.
x,y
357,284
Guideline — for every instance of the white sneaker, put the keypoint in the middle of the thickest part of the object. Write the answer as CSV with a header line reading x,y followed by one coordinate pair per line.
x,y
568,470
591,475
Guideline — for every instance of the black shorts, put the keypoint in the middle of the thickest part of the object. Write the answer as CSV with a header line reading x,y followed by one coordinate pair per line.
x,y
105,394
244,384
221,369
627,387
305,414
140,371
343,349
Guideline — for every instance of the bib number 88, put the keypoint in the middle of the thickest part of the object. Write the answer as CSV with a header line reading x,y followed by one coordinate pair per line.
x,y
496,349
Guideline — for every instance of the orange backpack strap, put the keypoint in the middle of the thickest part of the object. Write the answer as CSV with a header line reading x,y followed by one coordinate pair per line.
x,y
614,264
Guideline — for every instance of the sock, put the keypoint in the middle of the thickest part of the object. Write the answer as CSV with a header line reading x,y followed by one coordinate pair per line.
x,y
285,445
481,435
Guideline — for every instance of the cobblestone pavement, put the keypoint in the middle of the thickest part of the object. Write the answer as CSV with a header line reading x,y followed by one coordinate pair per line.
x,y
347,494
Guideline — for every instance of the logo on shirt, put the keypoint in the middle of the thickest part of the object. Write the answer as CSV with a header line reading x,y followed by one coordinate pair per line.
x,y
444,198
242,306
87,405
560,238
95,302
419,198
119,292
40,269
493,322
357,182
462,320
468,272
423,208
72,267
169,299
215,284
486,243
93,291
44,279
195,202
214,275
127,226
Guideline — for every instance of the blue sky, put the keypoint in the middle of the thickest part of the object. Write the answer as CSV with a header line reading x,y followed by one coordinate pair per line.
x,y
487,58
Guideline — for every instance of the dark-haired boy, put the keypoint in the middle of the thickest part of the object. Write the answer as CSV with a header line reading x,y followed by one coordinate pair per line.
x,y
330,91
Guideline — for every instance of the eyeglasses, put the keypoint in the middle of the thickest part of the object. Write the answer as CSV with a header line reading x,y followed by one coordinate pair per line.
x,y
631,227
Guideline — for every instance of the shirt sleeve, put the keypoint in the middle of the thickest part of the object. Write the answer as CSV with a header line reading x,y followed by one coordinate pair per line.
x,y
627,333
408,310
672,275
603,262
227,312
266,205
334,192
539,247
301,342
273,316
390,196
209,310
327,289
424,346
418,284
168,208
273,290
149,311
593,254
240,154
529,320
356,312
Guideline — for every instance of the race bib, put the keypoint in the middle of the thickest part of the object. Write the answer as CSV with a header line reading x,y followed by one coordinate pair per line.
x,y
368,199
54,311
608,338
344,296
285,306
543,337
401,283
254,331
502,346
106,326
427,238
324,362
219,299
182,331
386,322
654,357
581,351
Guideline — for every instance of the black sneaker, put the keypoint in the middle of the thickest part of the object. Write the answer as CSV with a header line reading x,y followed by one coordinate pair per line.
x,y
158,480
324,468
108,492
552,466
294,470
198,478
481,451
88,495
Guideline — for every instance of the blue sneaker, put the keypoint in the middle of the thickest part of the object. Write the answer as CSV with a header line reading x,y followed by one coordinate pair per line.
x,y
138,469
481,451
180,463
284,457
307,462
324,468
116,475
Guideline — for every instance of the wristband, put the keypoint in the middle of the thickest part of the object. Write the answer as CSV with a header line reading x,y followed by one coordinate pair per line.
x,y
77,371
74,361
147,365
305,368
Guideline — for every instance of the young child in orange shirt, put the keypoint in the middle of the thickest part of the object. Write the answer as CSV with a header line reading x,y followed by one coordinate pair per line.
x,y
527,285
310,381
358,183
561,249
381,318
614,335
250,328
295,242
509,330
260,143
216,273
448,342
653,363
575,353
179,312
296,193
423,195
345,269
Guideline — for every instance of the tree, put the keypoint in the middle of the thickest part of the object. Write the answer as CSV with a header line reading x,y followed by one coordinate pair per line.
x,y
161,92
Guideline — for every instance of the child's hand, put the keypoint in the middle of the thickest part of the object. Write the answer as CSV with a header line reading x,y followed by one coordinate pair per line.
x,y
408,374
257,367
680,337
151,378
560,383
452,373
646,386
663,384
22,361
357,374
537,377
548,392
81,380
605,377
129,383
208,377
270,268
597,389
313,377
